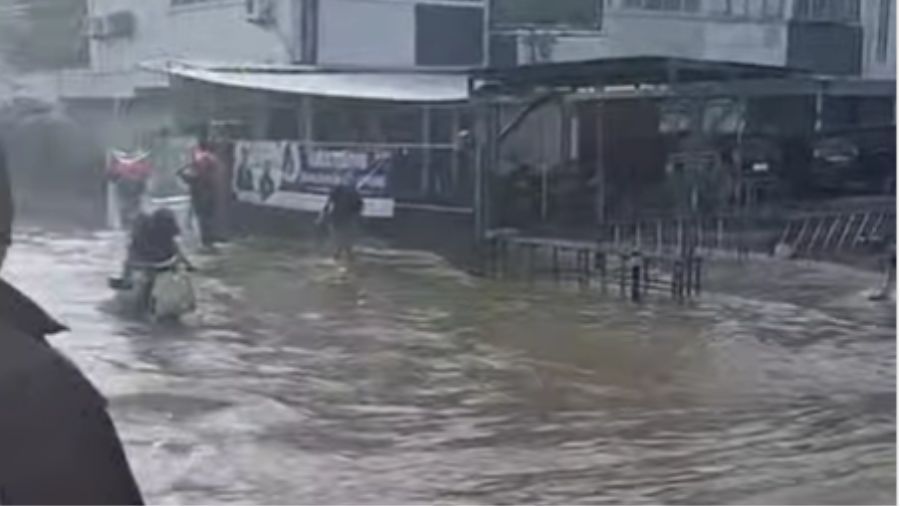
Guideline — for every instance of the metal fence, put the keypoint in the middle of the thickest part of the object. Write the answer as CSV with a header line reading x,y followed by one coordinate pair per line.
x,y
725,233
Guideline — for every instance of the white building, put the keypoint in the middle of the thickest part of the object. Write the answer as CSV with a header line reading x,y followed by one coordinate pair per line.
x,y
831,36
373,33
120,97
828,36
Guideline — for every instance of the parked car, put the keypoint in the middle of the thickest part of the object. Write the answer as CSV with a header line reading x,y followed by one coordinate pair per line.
x,y
854,162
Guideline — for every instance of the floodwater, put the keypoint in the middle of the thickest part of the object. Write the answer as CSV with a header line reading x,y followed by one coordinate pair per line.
x,y
404,380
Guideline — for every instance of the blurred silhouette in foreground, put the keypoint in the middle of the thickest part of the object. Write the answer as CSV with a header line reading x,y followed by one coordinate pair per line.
x,y
58,444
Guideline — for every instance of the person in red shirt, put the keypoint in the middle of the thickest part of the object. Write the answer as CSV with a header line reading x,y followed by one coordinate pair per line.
x,y
201,176
130,175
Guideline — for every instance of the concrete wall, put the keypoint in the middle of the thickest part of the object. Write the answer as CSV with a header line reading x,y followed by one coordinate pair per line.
x,y
663,34
375,32
215,30
120,125
562,47
641,34
350,32
345,37
747,42
762,35
875,65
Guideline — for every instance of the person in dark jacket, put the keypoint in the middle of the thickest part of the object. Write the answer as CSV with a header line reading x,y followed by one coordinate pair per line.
x,y
343,211
154,240
58,444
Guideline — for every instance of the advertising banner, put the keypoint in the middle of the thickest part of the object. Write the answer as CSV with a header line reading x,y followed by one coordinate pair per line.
x,y
292,176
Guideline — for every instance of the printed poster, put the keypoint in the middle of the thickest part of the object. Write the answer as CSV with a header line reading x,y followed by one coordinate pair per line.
x,y
289,175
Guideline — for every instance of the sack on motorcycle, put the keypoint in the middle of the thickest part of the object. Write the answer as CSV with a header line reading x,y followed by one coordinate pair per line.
x,y
173,294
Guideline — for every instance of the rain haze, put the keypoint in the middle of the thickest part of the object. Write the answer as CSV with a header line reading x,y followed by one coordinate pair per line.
x,y
448,251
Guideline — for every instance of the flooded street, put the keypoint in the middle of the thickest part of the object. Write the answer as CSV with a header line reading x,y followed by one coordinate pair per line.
x,y
404,380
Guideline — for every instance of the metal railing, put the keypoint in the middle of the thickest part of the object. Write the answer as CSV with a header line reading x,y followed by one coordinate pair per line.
x,y
594,264
726,233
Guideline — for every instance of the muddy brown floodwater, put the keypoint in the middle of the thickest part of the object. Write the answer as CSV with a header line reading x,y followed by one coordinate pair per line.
x,y
404,380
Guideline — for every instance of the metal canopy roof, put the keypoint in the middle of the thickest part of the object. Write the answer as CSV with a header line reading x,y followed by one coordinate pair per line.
x,y
624,71
393,85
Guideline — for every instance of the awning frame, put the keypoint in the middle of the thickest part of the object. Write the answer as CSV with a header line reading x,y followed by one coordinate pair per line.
x,y
389,85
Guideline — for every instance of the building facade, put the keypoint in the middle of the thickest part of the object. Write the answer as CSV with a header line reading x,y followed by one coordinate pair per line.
x,y
879,39
850,37
374,33
120,97
846,37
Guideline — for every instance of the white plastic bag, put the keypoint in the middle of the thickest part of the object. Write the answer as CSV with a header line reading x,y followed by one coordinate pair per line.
x,y
173,294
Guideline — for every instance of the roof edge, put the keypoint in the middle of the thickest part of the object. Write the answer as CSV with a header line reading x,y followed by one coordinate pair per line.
x,y
166,66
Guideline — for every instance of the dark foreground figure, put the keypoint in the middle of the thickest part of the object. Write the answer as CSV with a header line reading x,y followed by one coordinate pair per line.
x,y
58,444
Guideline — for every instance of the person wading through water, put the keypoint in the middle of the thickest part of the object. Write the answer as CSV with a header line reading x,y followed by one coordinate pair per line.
x,y
58,444
202,177
129,174
342,212
154,241
887,248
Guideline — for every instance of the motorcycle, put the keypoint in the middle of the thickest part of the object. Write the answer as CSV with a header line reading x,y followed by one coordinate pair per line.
x,y
160,291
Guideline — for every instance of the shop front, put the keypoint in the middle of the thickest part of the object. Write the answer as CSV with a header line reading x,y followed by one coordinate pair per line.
x,y
293,134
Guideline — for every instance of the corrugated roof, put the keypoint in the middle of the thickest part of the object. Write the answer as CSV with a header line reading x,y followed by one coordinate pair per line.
x,y
398,86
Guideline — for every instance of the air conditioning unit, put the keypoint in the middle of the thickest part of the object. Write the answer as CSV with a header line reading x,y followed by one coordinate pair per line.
x,y
120,24
261,12
95,27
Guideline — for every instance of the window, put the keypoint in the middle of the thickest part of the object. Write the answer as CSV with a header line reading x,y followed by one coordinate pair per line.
x,y
663,5
773,9
675,117
885,18
569,13
755,9
845,11
440,125
338,120
283,124
191,2
449,35
721,116
309,32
